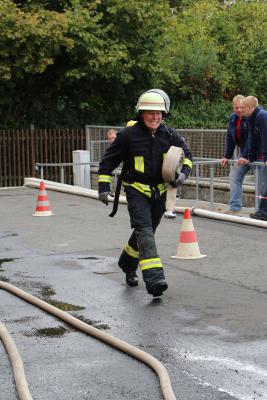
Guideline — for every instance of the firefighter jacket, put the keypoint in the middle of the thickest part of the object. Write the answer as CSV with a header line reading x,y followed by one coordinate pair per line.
x,y
142,155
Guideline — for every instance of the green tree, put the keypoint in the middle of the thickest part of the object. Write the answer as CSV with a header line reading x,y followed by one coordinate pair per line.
x,y
76,60
216,49
123,59
192,56
240,30
71,62
29,44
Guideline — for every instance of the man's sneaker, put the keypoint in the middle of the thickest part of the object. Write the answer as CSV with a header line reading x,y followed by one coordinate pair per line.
x,y
169,214
158,288
258,215
131,278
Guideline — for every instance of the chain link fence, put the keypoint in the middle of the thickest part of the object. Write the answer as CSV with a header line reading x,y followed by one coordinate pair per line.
x,y
203,144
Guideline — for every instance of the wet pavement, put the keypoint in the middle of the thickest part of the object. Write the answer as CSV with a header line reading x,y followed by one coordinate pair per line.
x,y
209,330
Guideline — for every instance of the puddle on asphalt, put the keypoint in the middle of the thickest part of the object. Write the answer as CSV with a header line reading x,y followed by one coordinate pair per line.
x,y
95,324
47,292
9,235
102,264
24,319
49,332
4,279
69,264
64,306
5,260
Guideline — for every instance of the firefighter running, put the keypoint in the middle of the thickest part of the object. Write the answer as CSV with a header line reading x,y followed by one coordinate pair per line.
x,y
142,148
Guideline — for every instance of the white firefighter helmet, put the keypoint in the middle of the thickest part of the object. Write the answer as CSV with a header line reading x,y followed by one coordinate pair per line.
x,y
153,100
165,96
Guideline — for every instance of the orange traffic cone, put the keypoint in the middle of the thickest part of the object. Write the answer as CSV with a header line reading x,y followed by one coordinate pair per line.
x,y
43,208
188,246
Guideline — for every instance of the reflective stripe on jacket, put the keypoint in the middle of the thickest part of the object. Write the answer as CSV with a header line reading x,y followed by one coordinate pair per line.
x,y
142,154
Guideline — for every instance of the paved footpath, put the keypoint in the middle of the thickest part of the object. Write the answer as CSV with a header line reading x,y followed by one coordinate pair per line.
x,y
209,329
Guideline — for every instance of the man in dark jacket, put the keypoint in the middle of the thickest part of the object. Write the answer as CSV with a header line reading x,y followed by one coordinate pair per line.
x,y
142,148
236,138
257,149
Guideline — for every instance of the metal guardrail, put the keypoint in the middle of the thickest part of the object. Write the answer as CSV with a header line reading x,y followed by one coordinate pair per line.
x,y
213,162
40,168
197,163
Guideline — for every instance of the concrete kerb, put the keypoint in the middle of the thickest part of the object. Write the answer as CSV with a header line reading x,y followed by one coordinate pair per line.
x,y
62,187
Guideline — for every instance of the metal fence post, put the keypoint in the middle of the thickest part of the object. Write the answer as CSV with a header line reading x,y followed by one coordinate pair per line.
x,y
211,187
88,148
62,174
87,137
197,181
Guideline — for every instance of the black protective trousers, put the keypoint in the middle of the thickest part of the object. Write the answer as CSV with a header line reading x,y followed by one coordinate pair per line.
x,y
145,215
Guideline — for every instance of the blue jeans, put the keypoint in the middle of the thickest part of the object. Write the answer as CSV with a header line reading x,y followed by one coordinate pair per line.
x,y
262,189
237,174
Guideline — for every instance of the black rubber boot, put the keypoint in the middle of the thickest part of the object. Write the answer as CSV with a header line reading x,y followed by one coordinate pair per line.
x,y
158,288
155,281
129,266
131,278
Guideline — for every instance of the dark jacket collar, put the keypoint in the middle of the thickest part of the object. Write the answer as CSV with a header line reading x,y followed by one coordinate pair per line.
x,y
254,115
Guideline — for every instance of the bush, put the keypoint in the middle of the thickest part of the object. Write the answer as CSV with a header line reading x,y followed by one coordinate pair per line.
x,y
199,113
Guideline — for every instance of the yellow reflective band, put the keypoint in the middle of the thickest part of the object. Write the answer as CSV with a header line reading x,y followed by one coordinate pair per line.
x,y
188,162
104,178
148,260
130,251
164,155
150,263
145,189
162,188
139,164
142,186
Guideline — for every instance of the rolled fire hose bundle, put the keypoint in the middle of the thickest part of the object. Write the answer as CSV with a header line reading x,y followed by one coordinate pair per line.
x,y
172,164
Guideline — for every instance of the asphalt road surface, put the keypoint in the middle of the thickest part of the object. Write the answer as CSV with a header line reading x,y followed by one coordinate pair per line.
x,y
209,329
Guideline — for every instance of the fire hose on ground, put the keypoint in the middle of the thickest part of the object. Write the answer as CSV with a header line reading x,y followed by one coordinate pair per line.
x,y
17,365
80,191
173,163
153,363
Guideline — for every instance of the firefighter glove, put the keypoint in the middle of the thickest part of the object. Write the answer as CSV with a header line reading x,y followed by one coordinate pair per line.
x,y
179,181
104,197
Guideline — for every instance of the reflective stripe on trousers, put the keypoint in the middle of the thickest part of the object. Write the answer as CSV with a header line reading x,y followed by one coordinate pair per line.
x,y
145,215
150,263
130,251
